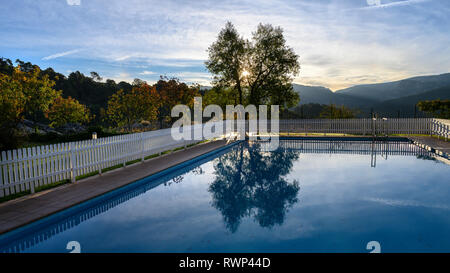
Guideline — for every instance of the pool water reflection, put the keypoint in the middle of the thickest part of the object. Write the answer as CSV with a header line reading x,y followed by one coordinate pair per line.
x,y
308,196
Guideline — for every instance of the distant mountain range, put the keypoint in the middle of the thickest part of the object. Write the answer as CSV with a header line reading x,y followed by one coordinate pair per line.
x,y
406,104
323,95
393,99
390,98
398,89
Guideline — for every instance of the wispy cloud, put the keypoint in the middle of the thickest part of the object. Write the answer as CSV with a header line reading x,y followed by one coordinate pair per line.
x,y
73,2
202,78
122,76
338,43
147,73
57,55
373,2
406,203
123,58
376,4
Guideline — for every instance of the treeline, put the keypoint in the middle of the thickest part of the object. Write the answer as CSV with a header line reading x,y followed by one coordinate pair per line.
x,y
88,90
437,108
48,97
257,71
322,111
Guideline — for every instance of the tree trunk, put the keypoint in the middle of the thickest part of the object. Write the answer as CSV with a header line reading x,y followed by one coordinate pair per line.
x,y
238,85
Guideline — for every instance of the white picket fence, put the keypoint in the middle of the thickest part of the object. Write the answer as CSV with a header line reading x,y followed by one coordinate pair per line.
x,y
358,126
27,168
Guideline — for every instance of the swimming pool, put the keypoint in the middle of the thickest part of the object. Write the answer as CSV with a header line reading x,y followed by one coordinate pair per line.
x,y
307,196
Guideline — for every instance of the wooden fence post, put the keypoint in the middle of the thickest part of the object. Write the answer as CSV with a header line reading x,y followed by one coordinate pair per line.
x,y
431,127
141,139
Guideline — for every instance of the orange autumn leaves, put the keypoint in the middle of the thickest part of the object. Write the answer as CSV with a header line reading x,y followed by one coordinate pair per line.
x,y
29,93
126,108
147,103
173,92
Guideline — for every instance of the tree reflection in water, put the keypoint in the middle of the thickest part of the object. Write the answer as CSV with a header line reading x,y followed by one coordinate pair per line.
x,y
178,179
250,182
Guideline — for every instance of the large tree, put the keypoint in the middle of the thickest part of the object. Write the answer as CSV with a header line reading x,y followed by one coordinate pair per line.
x,y
260,70
12,108
170,91
24,92
38,90
227,59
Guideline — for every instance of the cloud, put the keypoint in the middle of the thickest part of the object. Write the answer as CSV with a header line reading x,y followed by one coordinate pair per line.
x,y
373,2
376,4
147,73
405,203
73,2
57,55
123,58
122,76
338,47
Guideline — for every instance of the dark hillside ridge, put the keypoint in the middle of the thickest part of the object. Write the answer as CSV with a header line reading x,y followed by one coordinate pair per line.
x,y
398,89
322,95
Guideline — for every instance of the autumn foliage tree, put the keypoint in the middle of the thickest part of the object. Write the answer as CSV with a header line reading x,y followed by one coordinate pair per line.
x,y
63,111
37,89
12,100
24,92
12,107
127,108
172,92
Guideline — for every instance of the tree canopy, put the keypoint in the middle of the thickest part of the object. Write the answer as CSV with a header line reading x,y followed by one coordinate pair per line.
x,y
259,71
437,108
171,92
126,108
63,111
23,92
336,112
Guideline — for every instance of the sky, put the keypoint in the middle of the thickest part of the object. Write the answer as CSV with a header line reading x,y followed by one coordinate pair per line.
x,y
340,43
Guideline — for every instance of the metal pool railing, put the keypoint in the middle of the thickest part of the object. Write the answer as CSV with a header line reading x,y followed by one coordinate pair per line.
x,y
26,169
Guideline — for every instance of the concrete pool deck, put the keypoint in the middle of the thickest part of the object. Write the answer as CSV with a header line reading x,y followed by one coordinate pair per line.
x,y
27,209
433,144
24,210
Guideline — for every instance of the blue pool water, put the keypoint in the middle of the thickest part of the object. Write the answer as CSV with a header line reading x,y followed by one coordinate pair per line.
x,y
308,196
